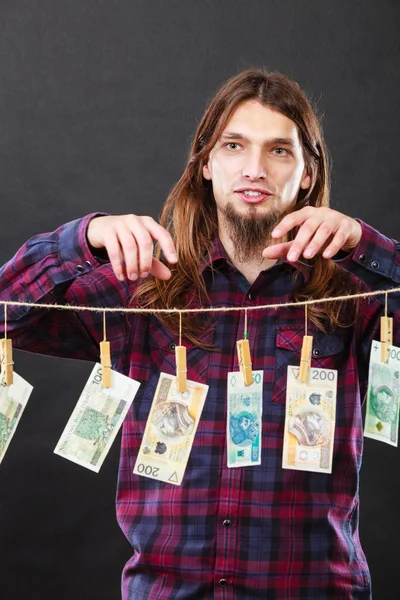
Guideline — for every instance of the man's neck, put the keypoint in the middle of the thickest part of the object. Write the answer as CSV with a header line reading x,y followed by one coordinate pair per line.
x,y
250,268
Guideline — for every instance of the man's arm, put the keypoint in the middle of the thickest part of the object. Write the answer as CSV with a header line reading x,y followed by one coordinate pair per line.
x,y
355,246
59,268
376,262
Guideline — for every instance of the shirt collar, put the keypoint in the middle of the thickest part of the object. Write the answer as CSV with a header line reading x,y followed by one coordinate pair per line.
x,y
218,253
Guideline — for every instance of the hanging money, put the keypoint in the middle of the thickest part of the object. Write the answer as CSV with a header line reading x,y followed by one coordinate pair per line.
x,y
96,419
13,399
170,430
383,396
310,420
244,415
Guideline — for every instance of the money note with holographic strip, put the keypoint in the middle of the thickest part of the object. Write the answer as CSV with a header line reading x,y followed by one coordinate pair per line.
x,y
244,414
383,396
310,420
170,430
96,419
13,400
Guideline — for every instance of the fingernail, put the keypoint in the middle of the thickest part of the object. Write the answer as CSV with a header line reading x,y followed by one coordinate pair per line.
x,y
121,277
174,257
133,276
309,252
292,256
144,275
276,232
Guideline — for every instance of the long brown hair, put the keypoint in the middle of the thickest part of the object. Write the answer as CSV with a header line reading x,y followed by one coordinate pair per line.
x,y
190,213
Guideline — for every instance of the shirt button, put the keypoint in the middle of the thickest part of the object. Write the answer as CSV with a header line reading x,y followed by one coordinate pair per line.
x,y
362,258
79,268
172,347
88,264
316,352
227,523
250,296
375,264
222,582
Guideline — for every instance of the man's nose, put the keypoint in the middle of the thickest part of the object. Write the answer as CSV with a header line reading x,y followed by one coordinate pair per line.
x,y
254,167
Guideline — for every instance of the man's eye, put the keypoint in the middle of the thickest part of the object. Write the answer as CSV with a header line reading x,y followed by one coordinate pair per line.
x,y
281,151
232,145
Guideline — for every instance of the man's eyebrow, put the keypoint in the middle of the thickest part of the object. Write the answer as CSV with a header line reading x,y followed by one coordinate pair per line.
x,y
281,141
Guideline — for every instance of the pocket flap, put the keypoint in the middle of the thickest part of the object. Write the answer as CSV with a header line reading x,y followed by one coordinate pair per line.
x,y
324,344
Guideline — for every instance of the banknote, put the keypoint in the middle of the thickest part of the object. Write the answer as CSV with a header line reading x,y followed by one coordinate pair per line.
x,y
13,399
383,396
310,420
170,430
244,414
96,419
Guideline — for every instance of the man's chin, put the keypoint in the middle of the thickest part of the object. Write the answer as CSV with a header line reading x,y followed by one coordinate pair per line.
x,y
249,229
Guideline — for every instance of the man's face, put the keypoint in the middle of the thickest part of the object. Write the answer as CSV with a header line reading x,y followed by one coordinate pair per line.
x,y
256,168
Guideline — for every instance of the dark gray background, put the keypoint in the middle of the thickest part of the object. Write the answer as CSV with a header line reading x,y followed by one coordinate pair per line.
x,y
98,101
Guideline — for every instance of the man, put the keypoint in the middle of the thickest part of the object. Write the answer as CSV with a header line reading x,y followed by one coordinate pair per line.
x,y
247,224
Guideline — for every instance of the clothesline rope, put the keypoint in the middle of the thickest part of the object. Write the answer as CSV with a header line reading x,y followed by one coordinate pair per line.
x,y
198,310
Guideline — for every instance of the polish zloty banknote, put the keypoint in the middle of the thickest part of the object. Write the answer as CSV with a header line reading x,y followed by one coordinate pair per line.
x,y
170,430
310,420
96,419
383,396
244,414
13,399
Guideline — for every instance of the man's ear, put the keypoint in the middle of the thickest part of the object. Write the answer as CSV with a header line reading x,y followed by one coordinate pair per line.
x,y
306,180
206,172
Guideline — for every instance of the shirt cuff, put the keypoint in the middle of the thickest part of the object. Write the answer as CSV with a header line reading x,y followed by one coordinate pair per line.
x,y
375,256
75,255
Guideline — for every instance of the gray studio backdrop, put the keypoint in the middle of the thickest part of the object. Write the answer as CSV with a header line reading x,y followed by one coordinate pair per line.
x,y
98,101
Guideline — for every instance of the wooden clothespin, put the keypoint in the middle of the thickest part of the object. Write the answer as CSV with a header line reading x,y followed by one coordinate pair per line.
x,y
105,358
181,363
386,334
6,354
306,349
244,357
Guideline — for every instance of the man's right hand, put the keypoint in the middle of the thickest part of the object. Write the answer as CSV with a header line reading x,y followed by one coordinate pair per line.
x,y
129,240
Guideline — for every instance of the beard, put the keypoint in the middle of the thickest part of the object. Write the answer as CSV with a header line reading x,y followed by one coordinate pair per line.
x,y
251,232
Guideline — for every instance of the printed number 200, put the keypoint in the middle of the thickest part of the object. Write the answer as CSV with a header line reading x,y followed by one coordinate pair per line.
x,y
323,375
148,470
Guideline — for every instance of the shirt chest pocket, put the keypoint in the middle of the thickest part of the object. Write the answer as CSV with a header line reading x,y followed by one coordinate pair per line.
x,y
327,353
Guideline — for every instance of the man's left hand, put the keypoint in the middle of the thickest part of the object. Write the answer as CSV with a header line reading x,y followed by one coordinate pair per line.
x,y
322,230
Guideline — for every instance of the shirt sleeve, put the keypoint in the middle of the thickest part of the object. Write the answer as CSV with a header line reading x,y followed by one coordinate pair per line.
x,y
376,263
59,268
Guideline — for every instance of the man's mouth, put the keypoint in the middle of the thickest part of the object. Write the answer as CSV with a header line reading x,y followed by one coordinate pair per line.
x,y
253,195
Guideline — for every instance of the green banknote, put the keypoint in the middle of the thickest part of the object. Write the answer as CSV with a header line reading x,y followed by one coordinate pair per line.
x,y
244,416
383,396
13,399
96,419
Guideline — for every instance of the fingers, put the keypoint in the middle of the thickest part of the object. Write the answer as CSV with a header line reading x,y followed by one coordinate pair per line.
x,y
163,237
338,242
305,233
129,252
115,256
129,241
294,219
277,250
159,270
321,230
145,248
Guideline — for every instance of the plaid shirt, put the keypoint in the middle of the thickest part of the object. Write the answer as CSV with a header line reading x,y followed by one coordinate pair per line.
x,y
232,534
